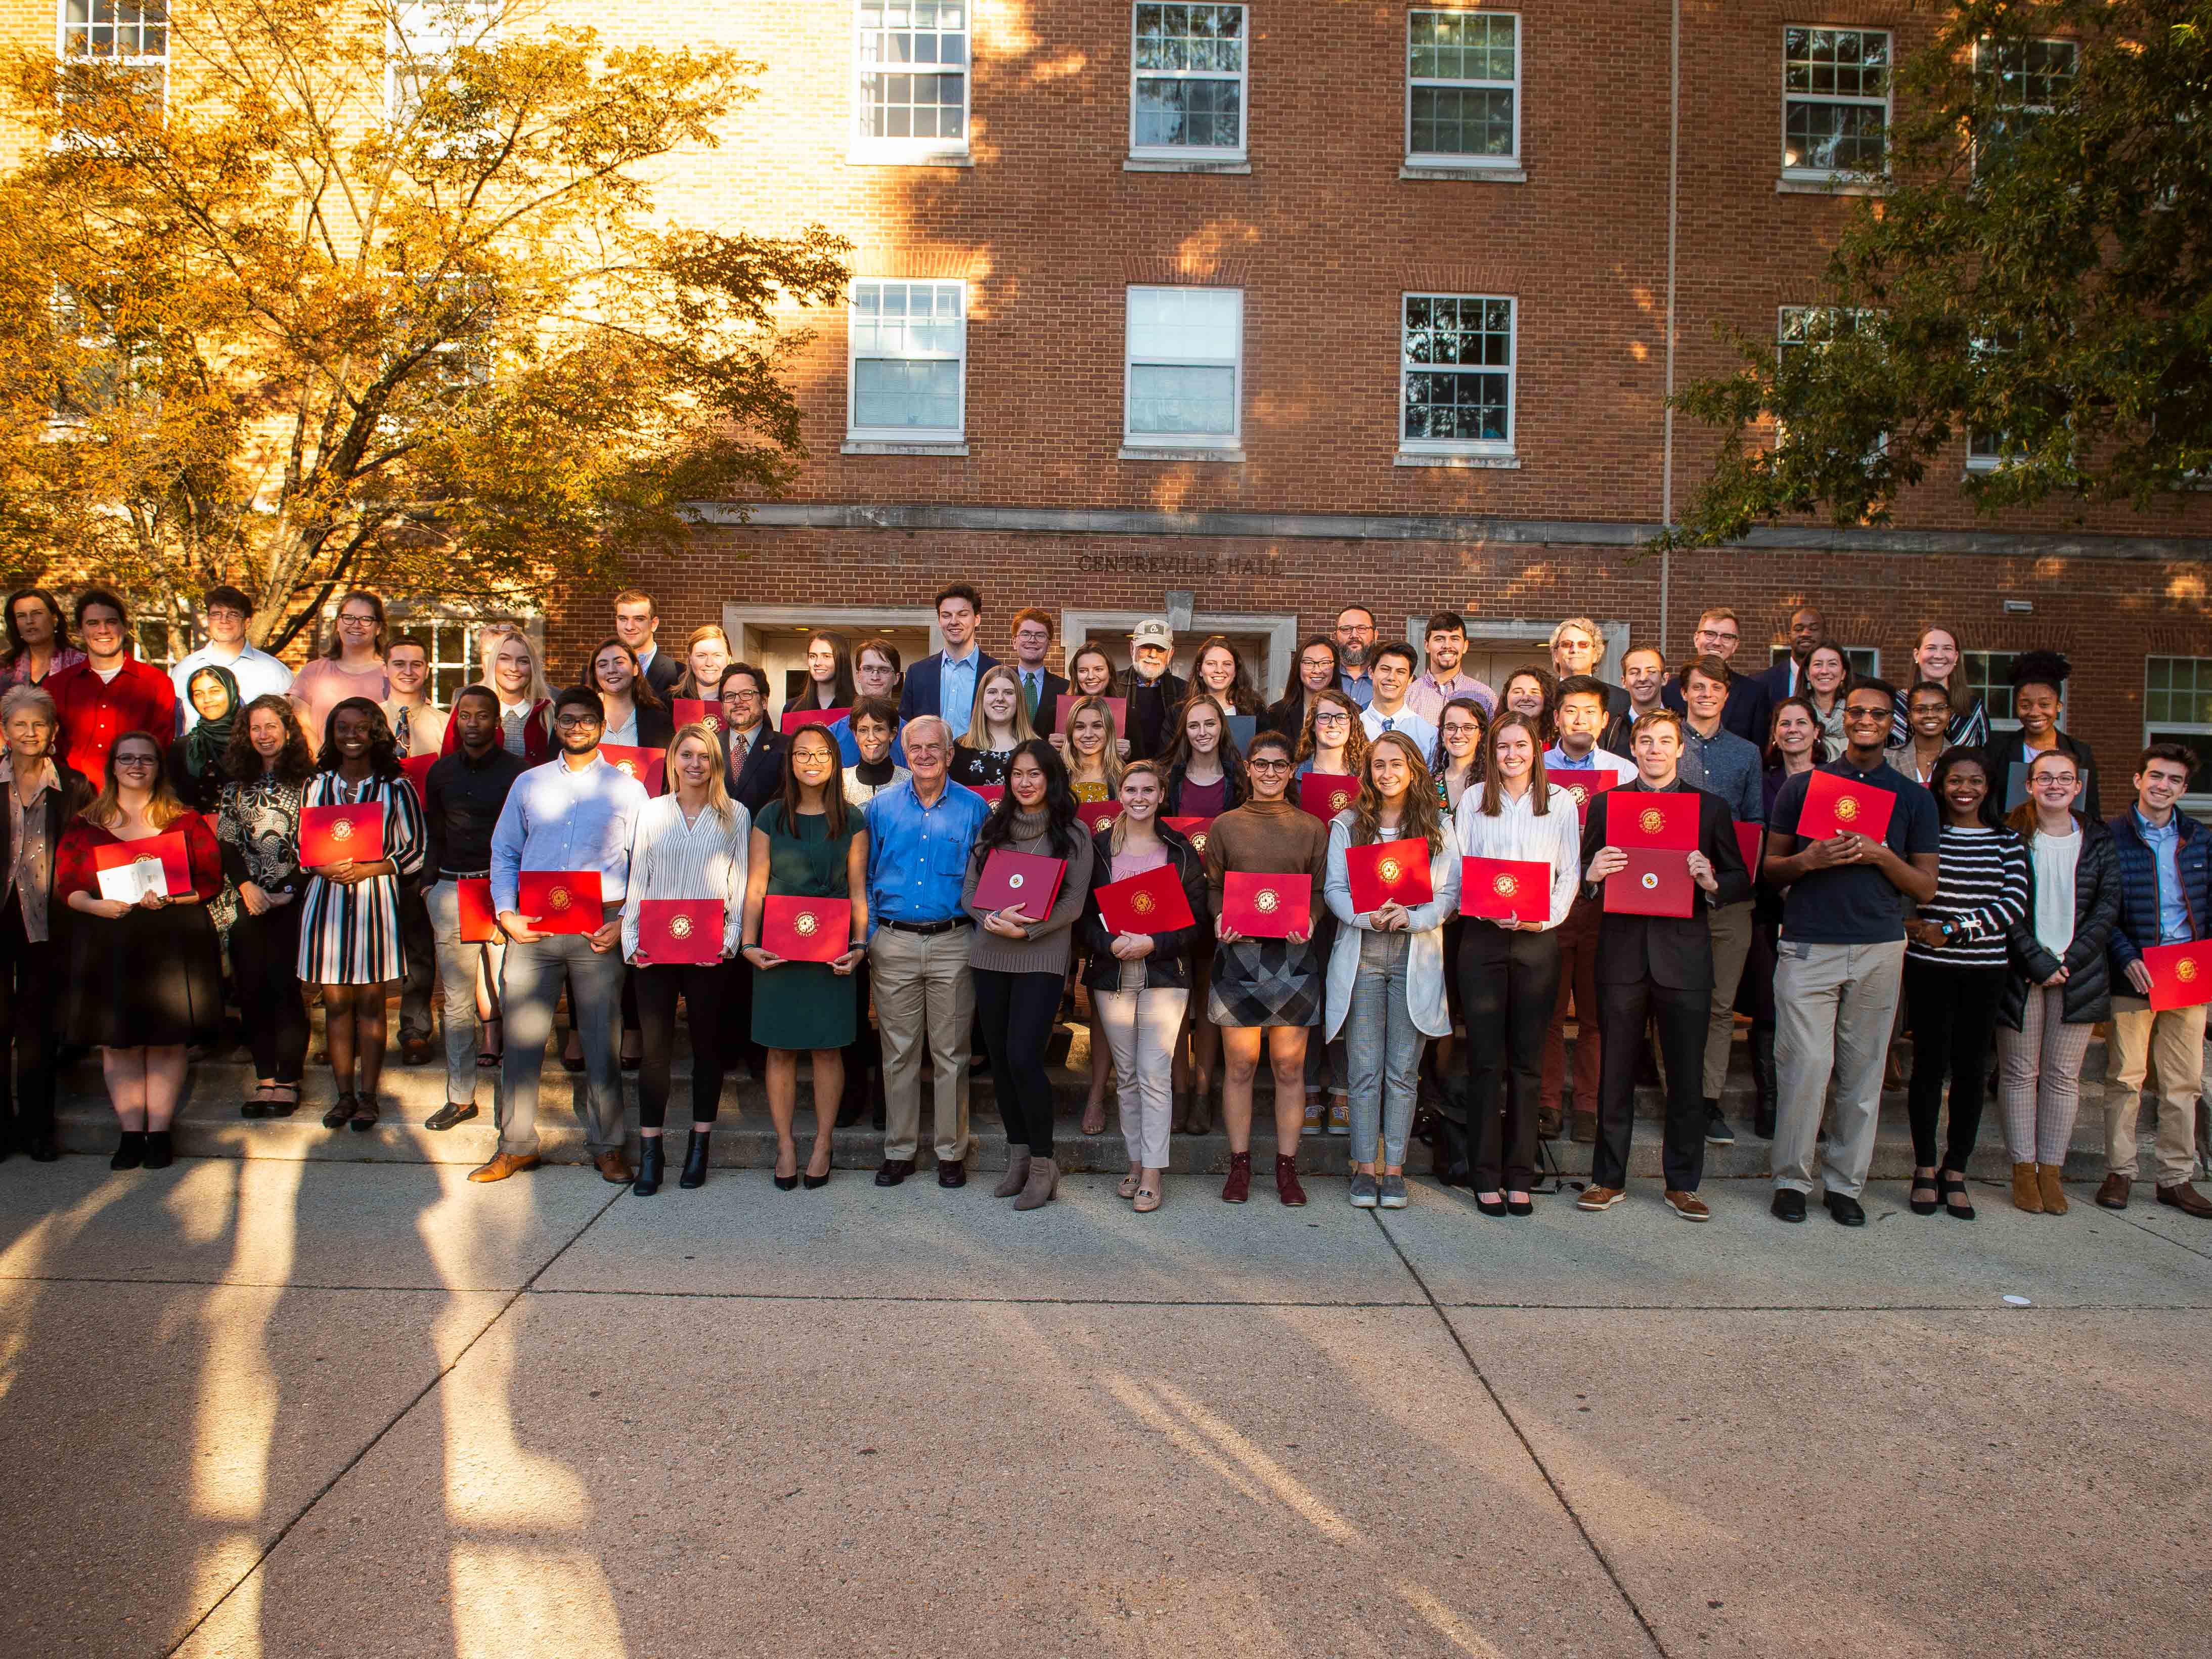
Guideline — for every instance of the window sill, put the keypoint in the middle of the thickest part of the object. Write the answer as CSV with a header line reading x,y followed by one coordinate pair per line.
x,y
1472,463
1171,453
891,158
1182,164
906,446
1513,173
1822,184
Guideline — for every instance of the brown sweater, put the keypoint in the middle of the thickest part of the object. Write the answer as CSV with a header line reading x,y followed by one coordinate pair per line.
x,y
1266,838
1046,949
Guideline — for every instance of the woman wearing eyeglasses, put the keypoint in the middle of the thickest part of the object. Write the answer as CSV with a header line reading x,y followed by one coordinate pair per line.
x,y
1316,670
143,983
1332,744
351,665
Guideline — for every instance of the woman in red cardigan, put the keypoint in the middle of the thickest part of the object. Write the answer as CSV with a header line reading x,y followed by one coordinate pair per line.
x,y
143,983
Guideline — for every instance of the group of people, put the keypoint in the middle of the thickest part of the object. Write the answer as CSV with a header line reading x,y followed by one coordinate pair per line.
x,y
843,883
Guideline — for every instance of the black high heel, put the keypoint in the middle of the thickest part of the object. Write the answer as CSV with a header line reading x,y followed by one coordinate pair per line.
x,y
1520,1206
694,1160
651,1159
815,1182
1950,1181
787,1183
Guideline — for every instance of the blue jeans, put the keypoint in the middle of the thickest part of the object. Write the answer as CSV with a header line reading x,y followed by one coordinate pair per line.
x,y
1382,1051
529,985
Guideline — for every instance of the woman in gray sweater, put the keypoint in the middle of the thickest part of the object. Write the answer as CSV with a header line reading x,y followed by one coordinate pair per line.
x,y
1020,960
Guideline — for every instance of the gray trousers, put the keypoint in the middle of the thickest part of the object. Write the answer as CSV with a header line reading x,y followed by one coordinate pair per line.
x,y
1383,1050
1833,1008
529,987
456,985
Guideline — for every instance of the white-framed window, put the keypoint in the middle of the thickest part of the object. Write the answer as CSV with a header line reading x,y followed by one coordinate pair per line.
x,y
1455,374
1865,659
1985,451
1187,82
129,35
2178,708
910,85
1835,102
1183,367
1989,674
907,361
420,42
1463,88
2026,80
1799,328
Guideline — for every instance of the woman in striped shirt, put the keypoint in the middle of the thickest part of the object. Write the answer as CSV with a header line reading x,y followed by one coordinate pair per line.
x,y
1954,973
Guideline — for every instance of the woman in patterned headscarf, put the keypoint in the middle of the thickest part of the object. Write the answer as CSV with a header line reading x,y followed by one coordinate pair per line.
x,y
196,769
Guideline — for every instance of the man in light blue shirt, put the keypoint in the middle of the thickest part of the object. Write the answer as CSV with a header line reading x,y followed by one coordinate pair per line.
x,y
921,833
227,611
574,813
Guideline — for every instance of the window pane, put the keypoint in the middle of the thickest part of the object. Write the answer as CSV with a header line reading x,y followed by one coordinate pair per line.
x,y
906,394
1458,407
1457,121
1172,401
1189,114
1183,325
928,105
1836,137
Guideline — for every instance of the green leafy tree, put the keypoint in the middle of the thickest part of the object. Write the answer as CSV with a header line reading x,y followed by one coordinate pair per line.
x,y
377,293
2034,274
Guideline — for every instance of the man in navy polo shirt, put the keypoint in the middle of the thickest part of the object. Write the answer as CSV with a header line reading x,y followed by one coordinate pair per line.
x,y
1839,962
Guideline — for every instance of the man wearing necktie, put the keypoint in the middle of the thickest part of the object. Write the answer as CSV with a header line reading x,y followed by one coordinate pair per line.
x,y
1041,688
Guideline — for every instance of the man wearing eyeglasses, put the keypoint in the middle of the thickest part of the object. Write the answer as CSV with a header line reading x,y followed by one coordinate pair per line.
x,y
1749,711
223,616
1840,961
1355,639
752,749
110,692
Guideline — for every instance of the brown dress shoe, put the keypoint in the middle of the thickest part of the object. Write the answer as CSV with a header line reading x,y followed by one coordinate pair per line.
x,y
1582,1131
504,1164
2187,1200
414,1052
1689,1207
2113,1194
2054,1196
612,1167
2026,1191
1601,1198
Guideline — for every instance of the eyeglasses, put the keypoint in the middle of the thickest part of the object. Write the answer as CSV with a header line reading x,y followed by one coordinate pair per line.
x,y
138,760
2064,780
741,696
356,618
1275,764
572,716
1333,717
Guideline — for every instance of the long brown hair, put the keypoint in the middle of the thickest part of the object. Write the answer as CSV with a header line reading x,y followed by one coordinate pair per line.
x,y
833,788
1110,757
641,688
2021,820
1243,699
164,808
1355,741
842,691
295,762
1493,795
337,648
1418,816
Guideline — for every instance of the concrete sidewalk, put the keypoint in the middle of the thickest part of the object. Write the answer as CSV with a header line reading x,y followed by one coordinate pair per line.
x,y
267,1406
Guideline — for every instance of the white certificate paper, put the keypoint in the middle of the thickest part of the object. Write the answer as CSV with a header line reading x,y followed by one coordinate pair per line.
x,y
132,882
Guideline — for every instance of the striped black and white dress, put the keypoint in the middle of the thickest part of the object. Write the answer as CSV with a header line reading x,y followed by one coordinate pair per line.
x,y
350,934
1981,885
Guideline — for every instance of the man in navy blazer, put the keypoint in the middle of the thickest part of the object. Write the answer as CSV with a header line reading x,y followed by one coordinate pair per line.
x,y
756,779
1808,630
959,665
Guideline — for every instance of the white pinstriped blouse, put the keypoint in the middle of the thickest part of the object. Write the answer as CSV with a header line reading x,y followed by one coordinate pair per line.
x,y
702,859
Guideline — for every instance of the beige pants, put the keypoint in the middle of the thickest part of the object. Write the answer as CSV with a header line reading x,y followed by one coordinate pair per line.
x,y
1833,1008
2175,1040
1731,925
923,994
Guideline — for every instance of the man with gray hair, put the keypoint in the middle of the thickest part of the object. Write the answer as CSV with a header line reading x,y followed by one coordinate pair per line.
x,y
921,832
1578,645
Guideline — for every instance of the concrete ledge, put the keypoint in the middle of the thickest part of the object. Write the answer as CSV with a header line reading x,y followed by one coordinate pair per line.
x,y
922,447
1469,463
1446,172
1177,164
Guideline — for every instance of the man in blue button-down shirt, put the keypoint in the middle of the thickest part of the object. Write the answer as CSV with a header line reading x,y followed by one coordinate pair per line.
x,y
575,813
1721,764
919,834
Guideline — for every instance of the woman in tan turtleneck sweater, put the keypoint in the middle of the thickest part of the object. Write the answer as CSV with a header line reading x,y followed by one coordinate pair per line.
x,y
1267,989
1020,962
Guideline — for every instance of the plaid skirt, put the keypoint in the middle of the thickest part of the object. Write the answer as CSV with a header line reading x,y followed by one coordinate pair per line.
x,y
1265,981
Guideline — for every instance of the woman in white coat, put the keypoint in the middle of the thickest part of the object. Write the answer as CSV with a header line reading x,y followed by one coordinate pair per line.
x,y
1386,972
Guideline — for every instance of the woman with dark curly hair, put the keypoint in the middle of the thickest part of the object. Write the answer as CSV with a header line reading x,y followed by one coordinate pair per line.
x,y
257,826
349,944
2039,704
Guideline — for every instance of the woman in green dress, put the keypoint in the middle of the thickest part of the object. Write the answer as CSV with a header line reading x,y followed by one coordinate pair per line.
x,y
806,844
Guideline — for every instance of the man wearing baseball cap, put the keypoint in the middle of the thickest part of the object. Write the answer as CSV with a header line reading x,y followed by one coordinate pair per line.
x,y
1152,692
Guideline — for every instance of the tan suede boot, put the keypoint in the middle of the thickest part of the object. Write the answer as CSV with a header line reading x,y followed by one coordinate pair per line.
x,y
2054,1196
2026,1194
1043,1183
1016,1175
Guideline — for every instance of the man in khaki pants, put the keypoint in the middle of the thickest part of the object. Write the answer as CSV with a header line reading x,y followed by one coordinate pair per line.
x,y
919,834
2165,864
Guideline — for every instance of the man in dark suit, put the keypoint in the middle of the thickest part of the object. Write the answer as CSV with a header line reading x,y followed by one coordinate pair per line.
x,y
1749,711
1808,630
1660,967
1041,688
752,749
1577,644
636,622
944,683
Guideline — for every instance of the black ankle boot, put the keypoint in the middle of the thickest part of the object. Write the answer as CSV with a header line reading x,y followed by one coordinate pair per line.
x,y
159,1152
131,1151
649,1160
694,1160
1762,1081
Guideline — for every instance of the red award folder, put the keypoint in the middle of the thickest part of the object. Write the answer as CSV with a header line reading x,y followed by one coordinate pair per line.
x,y
2181,974
1751,840
1657,882
1505,890
795,717
1653,819
333,835
166,850
646,765
1584,787
417,769
479,925
1097,814
1153,902
991,793
1387,870
1196,828
805,929
1028,879
1836,806
680,930
560,900
1265,906
1325,794
1116,707
697,711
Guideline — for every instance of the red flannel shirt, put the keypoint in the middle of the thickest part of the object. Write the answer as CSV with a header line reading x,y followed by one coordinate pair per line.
x,y
96,712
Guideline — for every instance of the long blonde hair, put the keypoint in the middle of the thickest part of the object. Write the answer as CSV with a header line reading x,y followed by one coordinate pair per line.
x,y
162,806
980,728
537,691
1418,816
718,794
1110,757
1118,832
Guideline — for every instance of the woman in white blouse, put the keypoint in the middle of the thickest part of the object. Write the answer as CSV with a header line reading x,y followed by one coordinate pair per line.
x,y
1509,971
690,844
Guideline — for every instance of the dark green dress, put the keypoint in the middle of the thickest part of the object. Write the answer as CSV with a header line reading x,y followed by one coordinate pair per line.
x,y
803,1005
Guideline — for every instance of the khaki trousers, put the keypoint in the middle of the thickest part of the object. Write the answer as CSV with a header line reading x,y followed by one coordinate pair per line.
x,y
924,995
2174,1040
1833,1008
1731,925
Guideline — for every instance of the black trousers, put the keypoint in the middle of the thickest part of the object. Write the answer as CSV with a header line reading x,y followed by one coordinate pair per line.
x,y
864,1053
738,1021
30,988
1508,982
1681,1018
1016,1012
421,946
264,956
1954,1018
705,991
